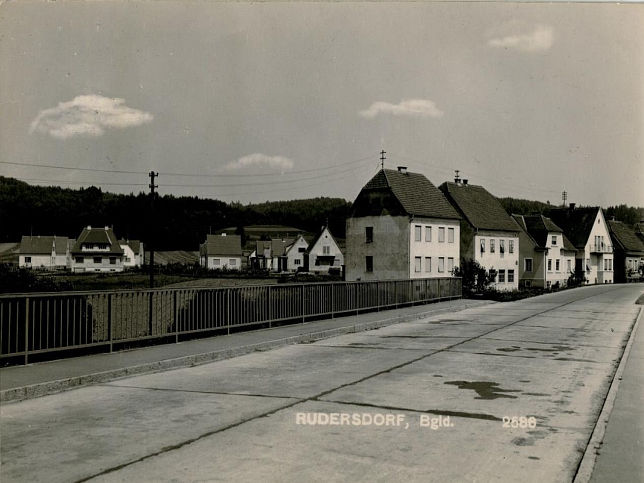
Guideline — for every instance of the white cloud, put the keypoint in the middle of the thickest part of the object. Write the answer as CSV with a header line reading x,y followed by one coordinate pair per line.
x,y
88,115
261,160
421,108
539,40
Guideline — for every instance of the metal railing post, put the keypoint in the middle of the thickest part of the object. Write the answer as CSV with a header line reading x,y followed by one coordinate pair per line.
x,y
26,330
109,320
228,310
175,312
268,306
332,299
302,301
150,313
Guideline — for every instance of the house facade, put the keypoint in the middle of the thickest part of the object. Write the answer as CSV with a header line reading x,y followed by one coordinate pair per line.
x,y
489,235
221,252
323,254
294,255
588,231
44,252
97,250
401,226
546,256
133,255
628,252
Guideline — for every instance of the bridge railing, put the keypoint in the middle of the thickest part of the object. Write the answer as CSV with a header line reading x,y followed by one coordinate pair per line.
x,y
37,323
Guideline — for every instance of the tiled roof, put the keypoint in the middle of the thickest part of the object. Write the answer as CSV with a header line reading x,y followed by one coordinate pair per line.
x,y
394,192
576,223
42,245
538,227
622,235
222,245
481,209
135,245
91,236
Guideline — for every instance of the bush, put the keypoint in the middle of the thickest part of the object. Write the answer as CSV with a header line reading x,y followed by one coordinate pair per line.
x,y
474,277
17,280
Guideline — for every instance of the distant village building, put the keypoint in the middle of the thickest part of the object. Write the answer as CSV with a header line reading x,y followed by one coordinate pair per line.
x,y
221,251
97,250
489,235
295,254
588,231
323,254
133,255
546,256
279,254
628,252
44,252
401,226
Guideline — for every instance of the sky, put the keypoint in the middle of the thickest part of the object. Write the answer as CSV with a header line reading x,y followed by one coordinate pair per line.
x,y
251,102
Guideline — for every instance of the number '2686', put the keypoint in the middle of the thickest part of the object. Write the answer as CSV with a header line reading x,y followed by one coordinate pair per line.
x,y
519,422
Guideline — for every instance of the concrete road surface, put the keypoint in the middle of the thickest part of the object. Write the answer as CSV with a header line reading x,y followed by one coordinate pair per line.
x,y
503,392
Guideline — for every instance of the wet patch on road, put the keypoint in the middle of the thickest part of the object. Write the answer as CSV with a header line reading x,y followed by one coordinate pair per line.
x,y
484,389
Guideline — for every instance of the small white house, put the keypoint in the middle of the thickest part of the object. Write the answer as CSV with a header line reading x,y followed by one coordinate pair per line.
x,y
221,252
97,250
295,254
323,253
44,252
133,255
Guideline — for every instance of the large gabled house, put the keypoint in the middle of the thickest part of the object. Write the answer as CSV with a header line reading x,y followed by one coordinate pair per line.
x,y
546,256
323,254
221,252
400,227
628,252
97,250
588,231
44,252
489,235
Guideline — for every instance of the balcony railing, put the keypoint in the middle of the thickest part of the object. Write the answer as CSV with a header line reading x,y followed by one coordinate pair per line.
x,y
601,248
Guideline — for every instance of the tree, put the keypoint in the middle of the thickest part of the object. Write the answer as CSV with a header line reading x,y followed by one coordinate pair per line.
x,y
474,277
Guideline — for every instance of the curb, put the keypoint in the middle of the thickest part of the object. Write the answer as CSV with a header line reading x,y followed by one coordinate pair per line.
x,y
52,387
587,463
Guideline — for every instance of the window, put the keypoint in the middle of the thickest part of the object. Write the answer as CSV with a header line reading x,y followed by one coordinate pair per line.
x,y
557,262
450,235
428,264
501,276
528,283
216,262
588,264
550,264
610,264
326,250
482,245
301,249
98,259
511,246
502,247
441,264
418,233
554,240
112,260
450,264
569,266
527,264
428,233
80,260
369,263
510,276
441,234
491,246
369,234
417,263
27,259
297,261
232,262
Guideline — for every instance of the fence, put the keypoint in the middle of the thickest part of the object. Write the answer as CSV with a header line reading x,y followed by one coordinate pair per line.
x,y
47,322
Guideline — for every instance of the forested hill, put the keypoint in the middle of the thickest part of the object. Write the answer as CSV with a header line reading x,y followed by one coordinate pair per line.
x,y
181,222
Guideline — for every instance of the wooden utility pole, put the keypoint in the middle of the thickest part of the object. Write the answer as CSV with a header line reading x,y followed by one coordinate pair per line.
x,y
152,225
382,158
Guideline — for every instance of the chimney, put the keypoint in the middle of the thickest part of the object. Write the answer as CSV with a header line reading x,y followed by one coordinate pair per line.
x,y
464,182
572,206
89,227
402,169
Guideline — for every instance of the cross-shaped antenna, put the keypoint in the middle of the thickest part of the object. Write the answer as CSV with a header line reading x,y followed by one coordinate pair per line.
x,y
382,158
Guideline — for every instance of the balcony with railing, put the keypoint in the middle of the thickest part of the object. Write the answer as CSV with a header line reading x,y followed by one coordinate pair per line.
x,y
601,248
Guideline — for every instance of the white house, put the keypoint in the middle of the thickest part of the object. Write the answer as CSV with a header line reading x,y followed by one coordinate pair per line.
x,y
546,256
295,254
44,252
588,231
221,252
489,235
97,250
133,255
323,253
401,226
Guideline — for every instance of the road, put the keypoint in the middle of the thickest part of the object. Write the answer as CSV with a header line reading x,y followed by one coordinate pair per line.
x,y
261,417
